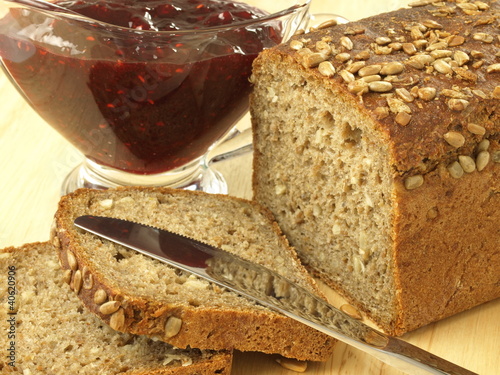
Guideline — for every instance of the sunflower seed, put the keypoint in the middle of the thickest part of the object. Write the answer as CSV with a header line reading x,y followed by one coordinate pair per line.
x,y
363,55
347,43
476,129
461,57
110,307
117,320
326,68
414,182
77,281
482,160
356,66
391,68
484,145
467,6
313,60
409,48
458,104
426,93
420,3
382,40
347,76
483,37
100,297
466,74
455,170
403,118
380,86
88,278
172,327
405,95
369,70
442,66
343,57
441,53
67,276
296,45
467,163
326,24
72,262
431,24
454,139
372,78
358,87
396,46
455,40
494,68
397,105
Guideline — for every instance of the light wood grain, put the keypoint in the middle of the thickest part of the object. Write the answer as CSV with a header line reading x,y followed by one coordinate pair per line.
x,y
34,160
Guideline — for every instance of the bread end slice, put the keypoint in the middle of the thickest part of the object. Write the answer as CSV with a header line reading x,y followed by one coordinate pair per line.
x,y
52,333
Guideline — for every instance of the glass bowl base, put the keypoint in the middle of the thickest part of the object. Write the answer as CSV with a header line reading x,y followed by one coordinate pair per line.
x,y
195,176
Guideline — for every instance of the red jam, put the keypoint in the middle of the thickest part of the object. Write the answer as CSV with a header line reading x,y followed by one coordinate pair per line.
x,y
141,104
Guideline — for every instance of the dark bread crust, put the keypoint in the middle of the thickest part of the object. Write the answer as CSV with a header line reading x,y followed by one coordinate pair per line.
x,y
444,235
241,327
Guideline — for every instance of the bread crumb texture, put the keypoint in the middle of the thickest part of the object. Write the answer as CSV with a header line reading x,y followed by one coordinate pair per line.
x,y
376,147
55,334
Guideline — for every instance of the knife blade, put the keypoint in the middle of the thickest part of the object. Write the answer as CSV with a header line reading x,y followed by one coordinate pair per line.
x,y
266,288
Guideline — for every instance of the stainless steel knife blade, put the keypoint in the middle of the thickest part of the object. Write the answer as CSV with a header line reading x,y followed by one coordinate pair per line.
x,y
267,288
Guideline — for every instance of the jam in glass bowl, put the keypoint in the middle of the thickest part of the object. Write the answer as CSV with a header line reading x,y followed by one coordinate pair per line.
x,y
143,88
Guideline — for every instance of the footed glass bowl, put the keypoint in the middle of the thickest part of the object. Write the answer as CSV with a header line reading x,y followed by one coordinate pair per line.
x,y
141,97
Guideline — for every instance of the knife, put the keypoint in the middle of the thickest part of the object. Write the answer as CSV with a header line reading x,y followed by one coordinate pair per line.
x,y
267,288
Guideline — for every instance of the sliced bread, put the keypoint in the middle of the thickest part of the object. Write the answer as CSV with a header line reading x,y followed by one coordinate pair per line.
x,y
46,330
377,148
136,294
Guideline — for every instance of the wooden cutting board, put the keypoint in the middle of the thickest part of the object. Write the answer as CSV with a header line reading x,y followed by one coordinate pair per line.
x,y
34,160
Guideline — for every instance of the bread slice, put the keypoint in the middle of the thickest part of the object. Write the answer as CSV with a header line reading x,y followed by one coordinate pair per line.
x,y
376,147
46,330
151,298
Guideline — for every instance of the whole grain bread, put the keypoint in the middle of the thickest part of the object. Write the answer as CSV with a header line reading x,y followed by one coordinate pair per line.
x,y
376,147
136,294
46,330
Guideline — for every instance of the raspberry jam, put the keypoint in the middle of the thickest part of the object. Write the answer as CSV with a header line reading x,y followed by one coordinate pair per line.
x,y
142,102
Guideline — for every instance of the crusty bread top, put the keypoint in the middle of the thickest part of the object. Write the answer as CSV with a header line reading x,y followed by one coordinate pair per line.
x,y
452,48
152,295
56,335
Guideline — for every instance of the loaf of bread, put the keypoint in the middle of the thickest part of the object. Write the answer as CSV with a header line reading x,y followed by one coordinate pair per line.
x,y
376,147
46,330
137,294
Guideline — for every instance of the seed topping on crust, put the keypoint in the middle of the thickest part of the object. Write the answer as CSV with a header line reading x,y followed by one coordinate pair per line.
x,y
172,327
454,139
100,296
117,320
416,66
109,307
72,262
482,160
414,182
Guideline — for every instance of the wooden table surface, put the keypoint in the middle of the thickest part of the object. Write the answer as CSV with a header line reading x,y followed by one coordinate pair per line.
x,y
34,160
